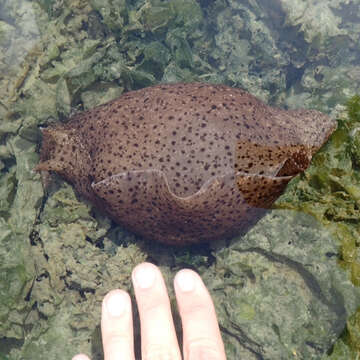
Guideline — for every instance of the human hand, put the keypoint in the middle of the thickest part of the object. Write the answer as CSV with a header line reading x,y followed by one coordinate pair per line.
x,y
201,334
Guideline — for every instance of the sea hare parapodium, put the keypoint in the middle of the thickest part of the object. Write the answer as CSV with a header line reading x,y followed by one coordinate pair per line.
x,y
184,163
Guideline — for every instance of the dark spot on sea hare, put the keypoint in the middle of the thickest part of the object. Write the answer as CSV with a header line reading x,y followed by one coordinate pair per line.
x,y
194,165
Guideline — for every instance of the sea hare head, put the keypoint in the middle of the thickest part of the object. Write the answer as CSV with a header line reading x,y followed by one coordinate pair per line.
x,y
184,163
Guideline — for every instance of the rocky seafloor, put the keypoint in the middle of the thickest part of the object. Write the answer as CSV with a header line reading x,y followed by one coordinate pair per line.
x,y
286,289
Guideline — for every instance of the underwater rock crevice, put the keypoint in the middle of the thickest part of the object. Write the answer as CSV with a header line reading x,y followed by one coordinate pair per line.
x,y
309,279
252,346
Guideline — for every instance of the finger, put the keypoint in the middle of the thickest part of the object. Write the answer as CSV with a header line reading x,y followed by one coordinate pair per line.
x,y
158,337
117,326
201,333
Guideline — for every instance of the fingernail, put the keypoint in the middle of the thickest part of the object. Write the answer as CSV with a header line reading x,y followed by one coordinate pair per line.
x,y
185,281
80,357
115,304
144,277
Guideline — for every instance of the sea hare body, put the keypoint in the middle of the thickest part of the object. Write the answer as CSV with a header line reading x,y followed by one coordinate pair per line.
x,y
184,163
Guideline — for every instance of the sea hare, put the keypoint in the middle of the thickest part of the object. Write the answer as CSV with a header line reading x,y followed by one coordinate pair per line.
x,y
184,163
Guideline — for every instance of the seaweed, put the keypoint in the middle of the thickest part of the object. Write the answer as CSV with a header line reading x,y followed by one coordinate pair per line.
x,y
59,256
329,191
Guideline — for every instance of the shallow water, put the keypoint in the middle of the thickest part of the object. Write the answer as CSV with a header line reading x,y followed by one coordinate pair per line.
x,y
279,290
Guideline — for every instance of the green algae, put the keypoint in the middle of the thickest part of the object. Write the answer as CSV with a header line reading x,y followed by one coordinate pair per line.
x,y
329,191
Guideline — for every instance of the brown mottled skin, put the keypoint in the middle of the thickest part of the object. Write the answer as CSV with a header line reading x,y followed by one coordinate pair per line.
x,y
184,163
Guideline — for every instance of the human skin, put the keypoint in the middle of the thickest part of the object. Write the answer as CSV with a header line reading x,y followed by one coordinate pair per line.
x,y
201,334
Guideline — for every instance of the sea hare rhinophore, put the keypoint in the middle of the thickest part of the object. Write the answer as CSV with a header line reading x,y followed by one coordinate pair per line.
x,y
184,163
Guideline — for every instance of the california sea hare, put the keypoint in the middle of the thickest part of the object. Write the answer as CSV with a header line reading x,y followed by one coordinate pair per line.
x,y
184,163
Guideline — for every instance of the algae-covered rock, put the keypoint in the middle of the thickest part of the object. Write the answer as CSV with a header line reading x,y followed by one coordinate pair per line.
x,y
283,269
